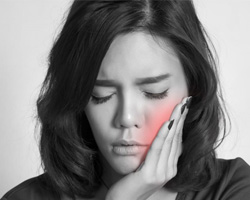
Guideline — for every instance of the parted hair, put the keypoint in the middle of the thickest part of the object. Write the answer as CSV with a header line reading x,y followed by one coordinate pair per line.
x,y
67,147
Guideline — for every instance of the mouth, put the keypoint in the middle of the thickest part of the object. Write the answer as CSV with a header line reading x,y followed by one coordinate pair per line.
x,y
128,148
128,143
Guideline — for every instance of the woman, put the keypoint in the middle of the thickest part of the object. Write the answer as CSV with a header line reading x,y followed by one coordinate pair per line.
x,y
131,109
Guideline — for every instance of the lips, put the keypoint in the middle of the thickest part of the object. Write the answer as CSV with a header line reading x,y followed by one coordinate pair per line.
x,y
128,143
128,148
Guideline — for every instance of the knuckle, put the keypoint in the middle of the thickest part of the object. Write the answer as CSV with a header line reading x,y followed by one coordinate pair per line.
x,y
169,140
171,174
161,179
178,138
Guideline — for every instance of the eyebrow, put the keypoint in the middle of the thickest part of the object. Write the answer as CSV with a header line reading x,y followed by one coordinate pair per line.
x,y
139,81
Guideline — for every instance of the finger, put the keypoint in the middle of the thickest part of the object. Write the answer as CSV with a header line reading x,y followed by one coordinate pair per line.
x,y
178,137
178,153
167,148
176,149
153,155
184,111
179,129
171,143
176,115
177,144
180,147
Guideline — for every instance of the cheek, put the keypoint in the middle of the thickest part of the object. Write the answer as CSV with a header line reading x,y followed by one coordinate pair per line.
x,y
98,123
157,117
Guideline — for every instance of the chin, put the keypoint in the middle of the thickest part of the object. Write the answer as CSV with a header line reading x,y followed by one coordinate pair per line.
x,y
125,166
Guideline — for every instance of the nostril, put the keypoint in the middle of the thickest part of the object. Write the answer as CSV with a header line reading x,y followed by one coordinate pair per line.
x,y
127,116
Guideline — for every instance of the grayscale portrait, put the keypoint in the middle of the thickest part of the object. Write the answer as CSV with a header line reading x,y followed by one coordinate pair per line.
x,y
124,100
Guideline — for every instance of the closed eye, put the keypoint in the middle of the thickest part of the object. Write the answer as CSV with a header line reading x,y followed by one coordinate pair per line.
x,y
161,95
99,100
149,95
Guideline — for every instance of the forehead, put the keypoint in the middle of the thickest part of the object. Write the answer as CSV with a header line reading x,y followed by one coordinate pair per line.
x,y
138,55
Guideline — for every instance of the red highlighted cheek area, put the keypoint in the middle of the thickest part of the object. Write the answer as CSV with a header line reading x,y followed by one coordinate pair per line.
x,y
156,119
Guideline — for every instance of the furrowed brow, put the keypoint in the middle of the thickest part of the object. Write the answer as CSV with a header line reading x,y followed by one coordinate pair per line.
x,y
151,80
139,81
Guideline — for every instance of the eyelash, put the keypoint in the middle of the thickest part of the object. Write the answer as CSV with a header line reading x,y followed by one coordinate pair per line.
x,y
153,96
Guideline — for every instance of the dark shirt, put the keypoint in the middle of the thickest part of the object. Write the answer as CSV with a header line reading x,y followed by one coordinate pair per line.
x,y
234,184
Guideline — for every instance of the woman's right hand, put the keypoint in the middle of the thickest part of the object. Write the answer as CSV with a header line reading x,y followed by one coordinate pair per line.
x,y
160,164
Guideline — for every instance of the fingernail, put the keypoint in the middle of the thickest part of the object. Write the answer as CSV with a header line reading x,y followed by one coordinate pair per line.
x,y
183,107
189,102
170,124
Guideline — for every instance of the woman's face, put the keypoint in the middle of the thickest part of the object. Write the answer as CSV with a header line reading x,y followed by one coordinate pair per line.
x,y
139,83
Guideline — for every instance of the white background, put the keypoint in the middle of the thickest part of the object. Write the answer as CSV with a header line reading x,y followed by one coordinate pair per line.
x,y
27,30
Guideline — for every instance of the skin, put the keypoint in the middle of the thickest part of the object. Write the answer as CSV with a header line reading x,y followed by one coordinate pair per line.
x,y
131,115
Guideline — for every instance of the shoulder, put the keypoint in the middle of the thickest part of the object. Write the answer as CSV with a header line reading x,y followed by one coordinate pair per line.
x,y
235,179
232,184
235,170
34,188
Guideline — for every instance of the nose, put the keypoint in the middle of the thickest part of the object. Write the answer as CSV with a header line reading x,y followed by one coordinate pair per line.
x,y
128,114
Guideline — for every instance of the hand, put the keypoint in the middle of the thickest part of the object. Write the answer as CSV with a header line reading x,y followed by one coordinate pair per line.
x,y
160,164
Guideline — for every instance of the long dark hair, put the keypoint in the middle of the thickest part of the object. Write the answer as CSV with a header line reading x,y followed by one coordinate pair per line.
x,y
67,147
